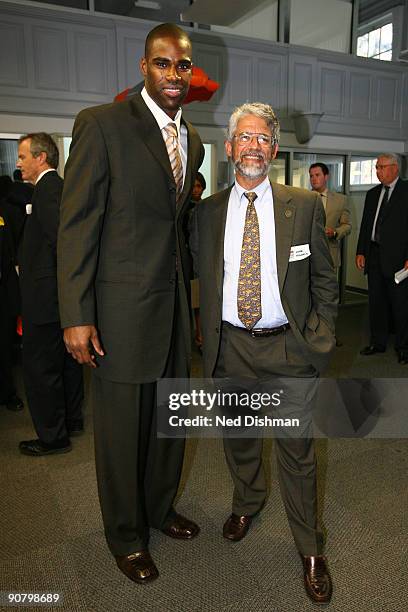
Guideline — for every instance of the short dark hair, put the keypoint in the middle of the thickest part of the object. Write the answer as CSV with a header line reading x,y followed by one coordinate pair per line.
x,y
41,142
199,177
322,166
164,30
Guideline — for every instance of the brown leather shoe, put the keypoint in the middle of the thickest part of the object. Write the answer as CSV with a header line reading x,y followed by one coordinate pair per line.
x,y
317,579
181,528
236,527
139,566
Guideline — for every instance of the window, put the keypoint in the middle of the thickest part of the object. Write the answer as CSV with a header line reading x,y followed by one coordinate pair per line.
x,y
377,43
335,163
8,155
362,172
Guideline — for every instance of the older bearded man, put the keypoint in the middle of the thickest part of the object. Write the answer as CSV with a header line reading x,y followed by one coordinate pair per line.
x,y
268,297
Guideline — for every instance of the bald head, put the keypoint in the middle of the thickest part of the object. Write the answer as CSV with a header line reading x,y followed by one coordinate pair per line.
x,y
165,30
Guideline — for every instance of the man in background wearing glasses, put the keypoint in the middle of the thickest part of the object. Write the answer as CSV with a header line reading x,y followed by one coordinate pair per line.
x,y
382,250
268,297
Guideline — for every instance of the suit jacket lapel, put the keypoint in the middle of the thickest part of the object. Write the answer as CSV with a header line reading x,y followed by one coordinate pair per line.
x,y
393,199
218,220
191,159
284,213
151,133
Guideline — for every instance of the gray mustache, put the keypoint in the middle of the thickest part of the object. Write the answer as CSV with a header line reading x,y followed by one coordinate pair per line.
x,y
253,154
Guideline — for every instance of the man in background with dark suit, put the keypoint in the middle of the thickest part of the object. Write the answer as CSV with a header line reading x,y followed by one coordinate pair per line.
x,y
382,250
123,284
52,378
268,299
10,217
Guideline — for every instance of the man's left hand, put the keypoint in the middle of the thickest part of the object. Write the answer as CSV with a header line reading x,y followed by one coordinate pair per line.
x,y
330,232
406,265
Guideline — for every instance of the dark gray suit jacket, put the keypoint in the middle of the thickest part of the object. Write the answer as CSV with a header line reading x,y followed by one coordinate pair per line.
x,y
121,236
308,287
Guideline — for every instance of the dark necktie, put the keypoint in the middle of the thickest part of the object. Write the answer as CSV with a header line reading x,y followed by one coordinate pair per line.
x,y
381,214
249,280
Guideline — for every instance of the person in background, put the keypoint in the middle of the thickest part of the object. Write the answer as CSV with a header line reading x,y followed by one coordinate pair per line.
x,y
382,250
52,378
9,297
196,197
337,209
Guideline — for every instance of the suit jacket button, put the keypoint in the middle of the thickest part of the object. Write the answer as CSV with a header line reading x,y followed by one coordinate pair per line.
x,y
217,330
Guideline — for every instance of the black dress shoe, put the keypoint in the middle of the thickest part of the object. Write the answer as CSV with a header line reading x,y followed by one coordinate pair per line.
x,y
236,527
372,349
138,566
13,403
36,448
181,528
318,584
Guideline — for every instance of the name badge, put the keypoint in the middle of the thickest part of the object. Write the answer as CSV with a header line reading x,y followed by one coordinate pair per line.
x,y
298,252
29,209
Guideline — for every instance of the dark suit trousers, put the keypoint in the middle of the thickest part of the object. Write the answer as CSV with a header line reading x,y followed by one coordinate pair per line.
x,y
53,382
7,331
264,358
137,473
386,299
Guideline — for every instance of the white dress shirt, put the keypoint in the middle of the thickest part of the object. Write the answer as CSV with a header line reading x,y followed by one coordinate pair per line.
x,y
44,172
273,314
162,120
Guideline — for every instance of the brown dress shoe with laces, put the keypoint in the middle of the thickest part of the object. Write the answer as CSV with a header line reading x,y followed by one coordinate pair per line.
x,y
138,566
181,528
317,579
236,527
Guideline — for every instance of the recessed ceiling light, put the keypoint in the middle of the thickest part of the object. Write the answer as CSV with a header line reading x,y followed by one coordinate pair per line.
x,y
148,4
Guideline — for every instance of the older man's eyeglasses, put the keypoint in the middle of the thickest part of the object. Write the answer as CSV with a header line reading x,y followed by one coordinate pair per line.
x,y
246,137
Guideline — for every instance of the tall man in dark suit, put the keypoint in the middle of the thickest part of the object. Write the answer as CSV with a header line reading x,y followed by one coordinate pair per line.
x,y
382,250
123,289
268,297
52,378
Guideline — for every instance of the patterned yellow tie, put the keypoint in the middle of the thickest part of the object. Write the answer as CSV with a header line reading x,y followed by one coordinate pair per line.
x,y
174,156
249,281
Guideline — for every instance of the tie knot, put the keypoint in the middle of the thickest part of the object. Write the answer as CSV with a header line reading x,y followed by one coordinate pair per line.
x,y
171,129
387,188
250,196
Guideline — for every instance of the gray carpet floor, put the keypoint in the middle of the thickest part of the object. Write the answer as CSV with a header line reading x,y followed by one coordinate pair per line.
x,y
51,537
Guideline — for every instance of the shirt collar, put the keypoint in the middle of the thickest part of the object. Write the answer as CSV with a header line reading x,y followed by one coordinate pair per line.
x,y
44,172
391,185
161,117
259,190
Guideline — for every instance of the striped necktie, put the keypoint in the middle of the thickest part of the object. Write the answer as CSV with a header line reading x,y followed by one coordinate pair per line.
x,y
249,280
174,156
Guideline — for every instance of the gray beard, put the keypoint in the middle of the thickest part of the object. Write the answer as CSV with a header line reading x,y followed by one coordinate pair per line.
x,y
250,171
